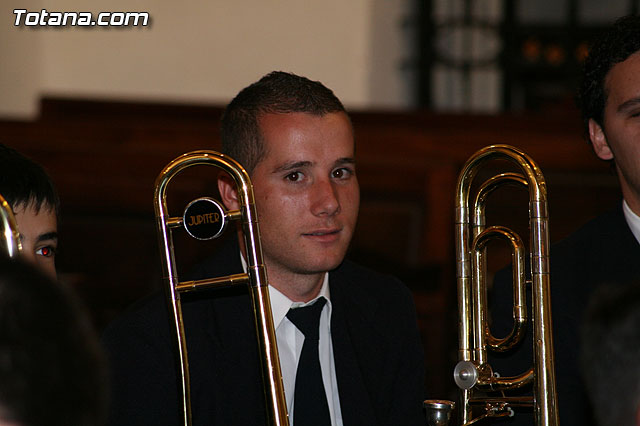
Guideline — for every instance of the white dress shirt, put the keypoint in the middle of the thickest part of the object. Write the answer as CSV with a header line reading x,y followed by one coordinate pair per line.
x,y
290,341
632,220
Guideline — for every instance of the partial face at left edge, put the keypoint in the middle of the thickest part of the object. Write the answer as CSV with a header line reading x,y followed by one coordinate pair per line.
x,y
39,236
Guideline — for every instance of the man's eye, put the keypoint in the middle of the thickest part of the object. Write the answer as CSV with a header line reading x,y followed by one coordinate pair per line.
x,y
47,251
294,177
341,173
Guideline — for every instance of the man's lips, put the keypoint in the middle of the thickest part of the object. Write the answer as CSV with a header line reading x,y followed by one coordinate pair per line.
x,y
324,235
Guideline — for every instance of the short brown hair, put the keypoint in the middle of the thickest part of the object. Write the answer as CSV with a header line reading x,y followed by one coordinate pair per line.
x,y
276,93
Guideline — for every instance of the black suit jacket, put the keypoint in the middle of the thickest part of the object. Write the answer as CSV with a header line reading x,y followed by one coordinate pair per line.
x,y
604,251
377,351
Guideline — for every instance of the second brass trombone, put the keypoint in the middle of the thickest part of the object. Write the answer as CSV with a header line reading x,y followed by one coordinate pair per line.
x,y
473,374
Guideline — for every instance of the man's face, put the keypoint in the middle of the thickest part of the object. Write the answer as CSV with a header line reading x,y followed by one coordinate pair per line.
x,y
307,194
619,136
39,236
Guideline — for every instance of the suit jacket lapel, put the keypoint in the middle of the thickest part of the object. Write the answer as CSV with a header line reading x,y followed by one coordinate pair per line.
x,y
237,359
348,325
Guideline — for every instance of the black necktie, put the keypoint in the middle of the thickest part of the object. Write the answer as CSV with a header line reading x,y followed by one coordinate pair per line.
x,y
310,401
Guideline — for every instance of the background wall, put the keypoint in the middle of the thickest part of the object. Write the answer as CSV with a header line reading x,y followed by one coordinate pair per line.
x,y
205,51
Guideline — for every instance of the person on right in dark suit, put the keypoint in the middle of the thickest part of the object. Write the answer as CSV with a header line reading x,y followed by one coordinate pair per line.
x,y
606,249
610,354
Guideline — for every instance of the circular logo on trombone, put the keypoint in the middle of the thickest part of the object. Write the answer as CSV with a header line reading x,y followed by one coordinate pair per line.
x,y
204,218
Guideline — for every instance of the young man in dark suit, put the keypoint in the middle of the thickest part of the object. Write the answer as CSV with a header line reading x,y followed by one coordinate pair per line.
x,y
605,250
296,141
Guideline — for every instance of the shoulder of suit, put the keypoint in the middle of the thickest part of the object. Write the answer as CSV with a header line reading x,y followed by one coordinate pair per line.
x,y
609,228
366,279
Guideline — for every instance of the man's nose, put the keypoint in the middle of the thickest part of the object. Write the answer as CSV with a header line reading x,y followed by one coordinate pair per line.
x,y
325,199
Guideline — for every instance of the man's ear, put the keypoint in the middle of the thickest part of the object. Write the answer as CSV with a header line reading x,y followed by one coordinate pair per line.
x,y
599,141
228,191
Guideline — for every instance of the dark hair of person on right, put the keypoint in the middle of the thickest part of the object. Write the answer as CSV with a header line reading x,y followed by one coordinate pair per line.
x,y
276,93
51,366
615,45
610,354
24,182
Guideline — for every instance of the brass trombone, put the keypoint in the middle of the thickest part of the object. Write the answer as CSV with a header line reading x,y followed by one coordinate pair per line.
x,y
256,277
11,236
473,375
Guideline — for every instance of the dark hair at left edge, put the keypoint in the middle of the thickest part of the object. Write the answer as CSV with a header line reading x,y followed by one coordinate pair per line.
x,y
24,182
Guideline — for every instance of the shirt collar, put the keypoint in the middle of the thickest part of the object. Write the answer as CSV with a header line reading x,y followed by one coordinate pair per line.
x,y
280,304
632,220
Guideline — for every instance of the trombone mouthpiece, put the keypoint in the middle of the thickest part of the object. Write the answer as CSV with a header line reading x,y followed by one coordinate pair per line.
x,y
438,411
